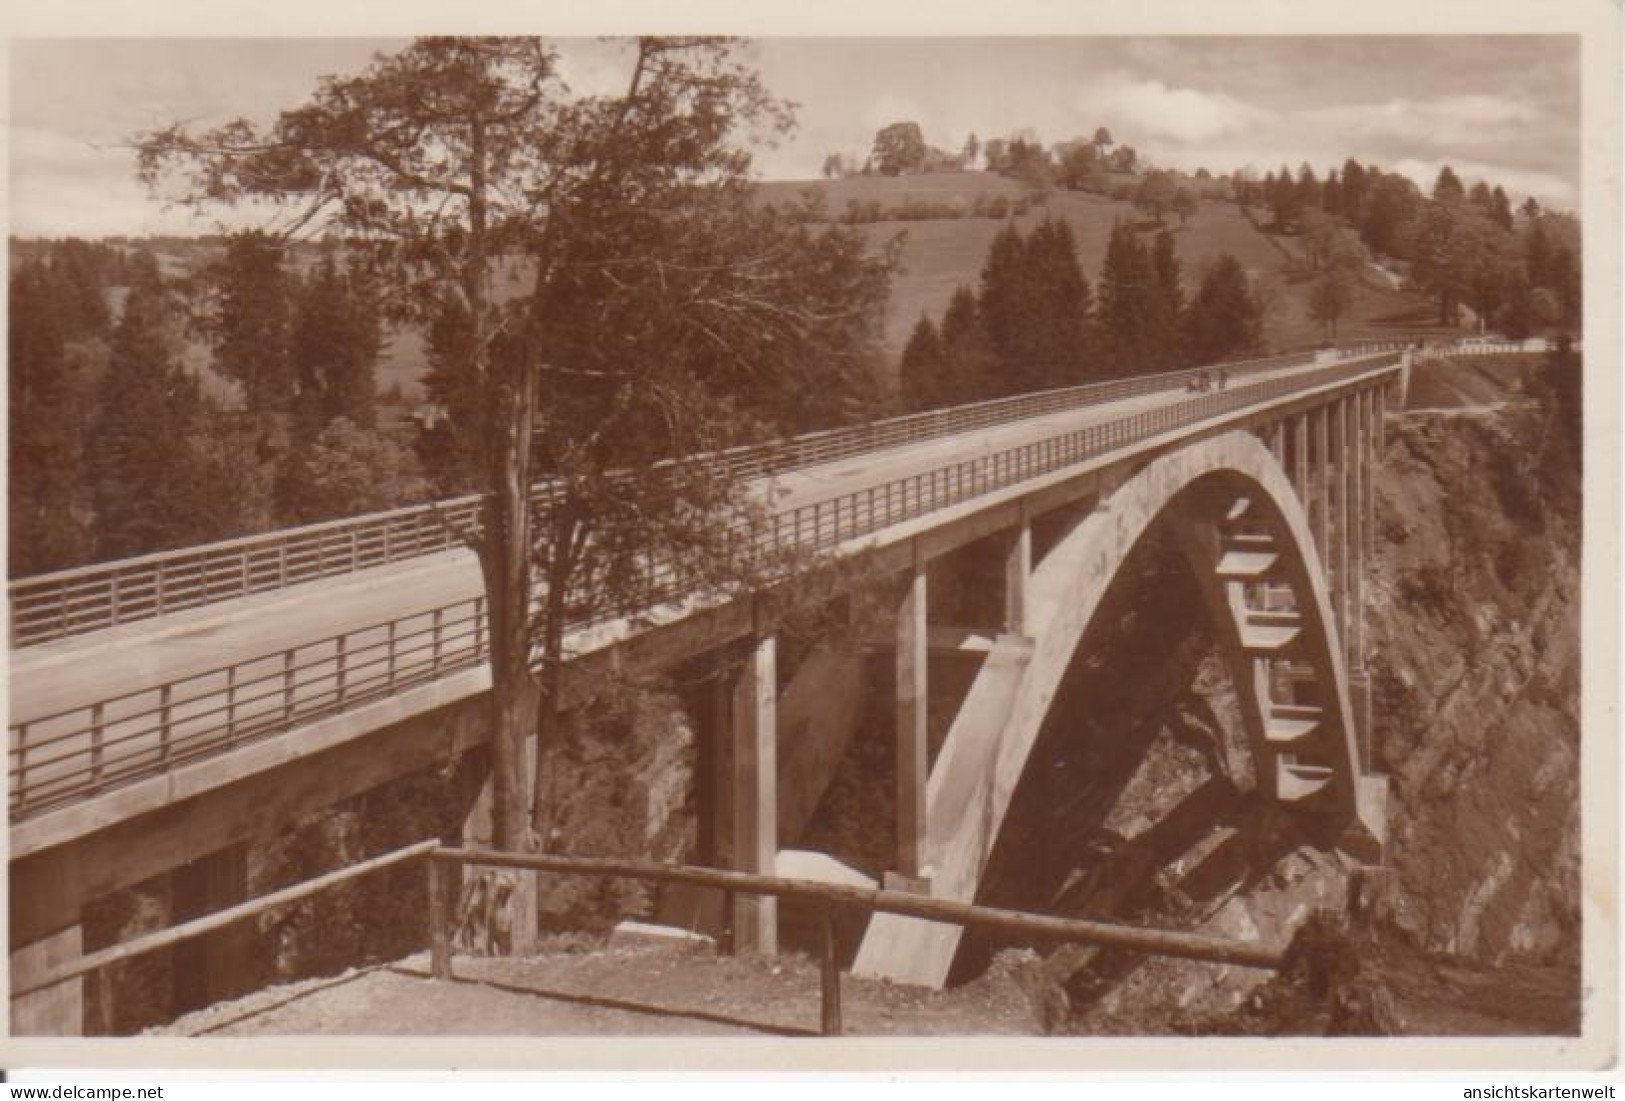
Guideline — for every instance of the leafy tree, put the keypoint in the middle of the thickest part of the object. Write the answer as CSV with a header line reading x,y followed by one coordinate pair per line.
x,y
1452,246
347,469
659,304
1225,318
971,149
1392,203
899,148
1103,139
1079,166
1330,300
1124,159
1155,194
1184,204
252,326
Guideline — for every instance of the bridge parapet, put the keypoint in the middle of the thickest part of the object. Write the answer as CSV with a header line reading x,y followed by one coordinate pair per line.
x,y
103,595
72,754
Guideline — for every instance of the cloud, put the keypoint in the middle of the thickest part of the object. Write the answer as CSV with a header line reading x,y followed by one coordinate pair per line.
x,y
1479,118
1160,111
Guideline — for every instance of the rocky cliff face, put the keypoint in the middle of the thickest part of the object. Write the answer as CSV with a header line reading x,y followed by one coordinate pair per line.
x,y
1475,669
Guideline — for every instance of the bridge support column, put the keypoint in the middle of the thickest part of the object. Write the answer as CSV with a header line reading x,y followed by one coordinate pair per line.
x,y
755,794
1342,459
46,934
209,968
1018,568
1300,456
913,748
1277,442
1321,499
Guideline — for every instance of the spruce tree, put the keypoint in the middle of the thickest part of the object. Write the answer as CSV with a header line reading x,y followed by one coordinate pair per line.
x,y
46,414
141,446
921,375
337,336
1225,319
1125,312
969,366
1003,306
253,325
1167,304
1054,346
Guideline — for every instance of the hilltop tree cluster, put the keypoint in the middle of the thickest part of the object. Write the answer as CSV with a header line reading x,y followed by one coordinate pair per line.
x,y
1035,322
1078,164
1517,271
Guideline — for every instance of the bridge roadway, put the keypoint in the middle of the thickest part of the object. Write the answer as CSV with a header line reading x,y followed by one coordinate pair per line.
x,y
61,682
77,671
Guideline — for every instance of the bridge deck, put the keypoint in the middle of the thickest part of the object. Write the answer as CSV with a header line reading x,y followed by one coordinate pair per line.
x,y
72,672
266,686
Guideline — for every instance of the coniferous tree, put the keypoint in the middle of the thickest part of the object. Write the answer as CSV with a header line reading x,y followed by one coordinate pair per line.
x,y
1354,190
1225,318
921,377
1331,194
1002,305
968,361
337,335
46,416
1306,192
1447,188
1125,312
253,327
1501,208
1167,304
1054,345
143,471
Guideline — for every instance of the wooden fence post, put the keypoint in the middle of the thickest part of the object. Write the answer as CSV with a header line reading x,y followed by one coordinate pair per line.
x,y
439,926
829,986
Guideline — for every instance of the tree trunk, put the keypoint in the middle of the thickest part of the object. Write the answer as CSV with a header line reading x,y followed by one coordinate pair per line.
x,y
499,908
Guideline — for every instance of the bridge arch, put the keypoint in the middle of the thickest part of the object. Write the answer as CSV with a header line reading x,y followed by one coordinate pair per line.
x,y
1247,537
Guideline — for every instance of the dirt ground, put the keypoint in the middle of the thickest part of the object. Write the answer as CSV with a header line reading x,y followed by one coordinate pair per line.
x,y
632,990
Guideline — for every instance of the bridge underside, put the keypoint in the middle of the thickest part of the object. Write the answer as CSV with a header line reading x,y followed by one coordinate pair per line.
x,y
1248,541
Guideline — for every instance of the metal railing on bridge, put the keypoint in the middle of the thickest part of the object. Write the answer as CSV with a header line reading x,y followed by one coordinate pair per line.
x,y
95,597
63,757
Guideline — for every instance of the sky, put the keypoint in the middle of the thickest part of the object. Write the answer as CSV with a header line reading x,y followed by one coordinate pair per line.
x,y
1502,108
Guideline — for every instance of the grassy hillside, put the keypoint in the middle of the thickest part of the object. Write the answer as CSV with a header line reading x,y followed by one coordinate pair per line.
x,y
941,254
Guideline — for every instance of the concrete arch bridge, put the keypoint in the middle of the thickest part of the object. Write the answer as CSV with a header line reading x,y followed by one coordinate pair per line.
x,y
165,743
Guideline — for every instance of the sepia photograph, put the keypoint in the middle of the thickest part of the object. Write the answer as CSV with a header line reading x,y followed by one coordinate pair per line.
x,y
1022,539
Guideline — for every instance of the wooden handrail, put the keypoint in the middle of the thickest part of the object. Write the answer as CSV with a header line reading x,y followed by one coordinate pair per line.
x,y
220,919
829,896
